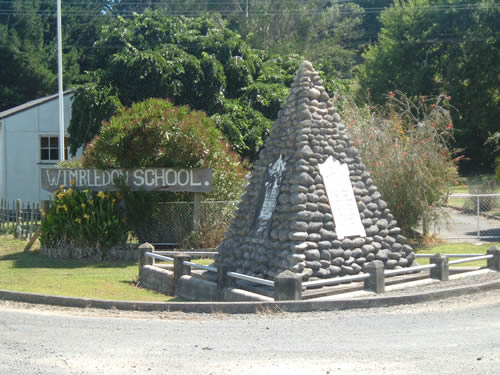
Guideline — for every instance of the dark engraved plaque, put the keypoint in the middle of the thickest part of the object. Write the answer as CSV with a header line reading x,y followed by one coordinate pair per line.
x,y
269,195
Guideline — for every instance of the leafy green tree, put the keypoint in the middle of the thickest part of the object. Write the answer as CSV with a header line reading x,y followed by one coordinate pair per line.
x,y
426,47
191,61
28,48
319,29
25,71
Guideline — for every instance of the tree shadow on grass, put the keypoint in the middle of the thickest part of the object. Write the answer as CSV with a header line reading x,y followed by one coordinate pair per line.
x,y
493,233
33,259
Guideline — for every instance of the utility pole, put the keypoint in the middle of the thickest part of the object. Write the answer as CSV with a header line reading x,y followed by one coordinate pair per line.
x,y
60,81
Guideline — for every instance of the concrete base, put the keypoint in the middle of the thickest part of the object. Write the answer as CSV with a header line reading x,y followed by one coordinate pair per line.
x,y
157,279
195,289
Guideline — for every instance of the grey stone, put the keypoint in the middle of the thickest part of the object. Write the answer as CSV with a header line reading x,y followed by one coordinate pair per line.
x,y
382,223
407,249
356,253
347,243
325,254
336,253
394,255
312,254
358,242
391,263
300,226
298,198
314,264
382,205
314,237
324,244
367,249
346,270
327,235
303,179
334,270
369,257
400,239
298,247
314,226
372,230
323,273
395,231
382,255
338,261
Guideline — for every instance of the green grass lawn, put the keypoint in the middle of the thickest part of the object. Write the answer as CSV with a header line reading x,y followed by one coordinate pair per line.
x,y
457,248
29,272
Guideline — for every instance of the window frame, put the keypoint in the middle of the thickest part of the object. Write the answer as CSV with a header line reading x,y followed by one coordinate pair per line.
x,y
50,148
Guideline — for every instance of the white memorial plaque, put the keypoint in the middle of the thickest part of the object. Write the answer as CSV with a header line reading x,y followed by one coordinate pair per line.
x,y
270,194
341,197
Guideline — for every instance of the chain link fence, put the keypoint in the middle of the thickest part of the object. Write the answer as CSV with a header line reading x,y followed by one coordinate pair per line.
x,y
173,224
472,216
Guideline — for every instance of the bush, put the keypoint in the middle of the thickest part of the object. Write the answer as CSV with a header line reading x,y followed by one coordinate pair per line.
x,y
155,133
404,145
84,219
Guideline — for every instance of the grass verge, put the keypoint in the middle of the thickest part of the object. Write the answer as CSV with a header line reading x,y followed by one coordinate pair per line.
x,y
29,272
457,248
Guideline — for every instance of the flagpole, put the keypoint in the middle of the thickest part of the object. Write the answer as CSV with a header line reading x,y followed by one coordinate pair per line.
x,y
60,82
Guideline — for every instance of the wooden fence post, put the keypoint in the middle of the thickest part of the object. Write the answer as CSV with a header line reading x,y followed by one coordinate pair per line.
x,y
196,213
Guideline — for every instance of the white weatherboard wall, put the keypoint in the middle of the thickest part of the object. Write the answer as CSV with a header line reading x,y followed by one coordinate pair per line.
x,y
20,132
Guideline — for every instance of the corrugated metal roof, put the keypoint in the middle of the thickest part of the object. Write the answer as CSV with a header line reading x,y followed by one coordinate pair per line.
x,y
30,104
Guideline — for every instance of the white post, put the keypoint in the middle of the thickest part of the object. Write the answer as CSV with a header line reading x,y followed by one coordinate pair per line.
x,y
60,79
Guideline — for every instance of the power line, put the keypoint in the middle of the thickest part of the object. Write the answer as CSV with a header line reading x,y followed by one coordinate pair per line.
x,y
256,12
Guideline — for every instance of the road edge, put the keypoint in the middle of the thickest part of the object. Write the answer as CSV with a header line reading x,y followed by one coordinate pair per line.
x,y
248,307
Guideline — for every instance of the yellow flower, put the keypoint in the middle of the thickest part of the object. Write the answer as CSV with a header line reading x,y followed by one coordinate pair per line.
x,y
86,191
78,220
86,216
61,187
65,208
83,205
73,182
101,194
113,201
70,191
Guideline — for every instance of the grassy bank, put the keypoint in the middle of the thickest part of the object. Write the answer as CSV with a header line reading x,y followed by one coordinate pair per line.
x,y
29,272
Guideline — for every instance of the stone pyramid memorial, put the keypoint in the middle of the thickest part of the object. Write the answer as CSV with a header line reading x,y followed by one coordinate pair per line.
x,y
310,205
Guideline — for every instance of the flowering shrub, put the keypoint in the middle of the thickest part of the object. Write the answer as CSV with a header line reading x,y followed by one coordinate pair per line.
x,y
155,133
404,145
84,219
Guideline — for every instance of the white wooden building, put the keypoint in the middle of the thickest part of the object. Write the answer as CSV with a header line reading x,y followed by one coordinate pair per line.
x,y
29,140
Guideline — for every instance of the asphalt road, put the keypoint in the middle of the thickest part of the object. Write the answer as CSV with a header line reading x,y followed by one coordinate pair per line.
x,y
454,336
463,226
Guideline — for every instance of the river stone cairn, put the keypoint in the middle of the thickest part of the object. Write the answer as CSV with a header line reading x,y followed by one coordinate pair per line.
x,y
284,220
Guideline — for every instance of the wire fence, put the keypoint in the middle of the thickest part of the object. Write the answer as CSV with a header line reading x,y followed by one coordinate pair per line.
x,y
19,218
173,224
472,216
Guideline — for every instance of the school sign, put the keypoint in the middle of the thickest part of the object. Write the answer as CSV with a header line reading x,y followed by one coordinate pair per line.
x,y
197,180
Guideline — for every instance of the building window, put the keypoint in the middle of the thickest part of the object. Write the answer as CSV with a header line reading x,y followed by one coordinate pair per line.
x,y
49,148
